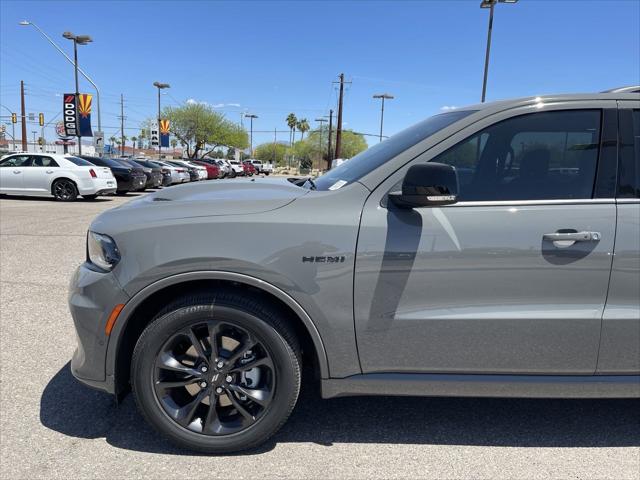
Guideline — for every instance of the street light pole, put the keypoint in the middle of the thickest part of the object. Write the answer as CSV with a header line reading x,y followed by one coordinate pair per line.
x,y
251,116
320,121
160,86
490,4
75,63
82,40
27,23
383,97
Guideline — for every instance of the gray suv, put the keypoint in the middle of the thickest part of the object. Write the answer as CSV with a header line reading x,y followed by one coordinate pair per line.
x,y
492,250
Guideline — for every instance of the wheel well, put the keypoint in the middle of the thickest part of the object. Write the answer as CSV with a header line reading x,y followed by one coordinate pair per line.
x,y
62,178
151,306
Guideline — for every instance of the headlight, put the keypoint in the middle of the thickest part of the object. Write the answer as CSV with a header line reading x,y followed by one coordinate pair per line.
x,y
102,251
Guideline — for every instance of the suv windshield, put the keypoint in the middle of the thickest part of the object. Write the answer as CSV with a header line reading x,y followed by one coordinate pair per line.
x,y
367,161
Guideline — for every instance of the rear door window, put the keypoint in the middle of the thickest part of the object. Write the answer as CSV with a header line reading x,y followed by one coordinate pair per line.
x,y
39,161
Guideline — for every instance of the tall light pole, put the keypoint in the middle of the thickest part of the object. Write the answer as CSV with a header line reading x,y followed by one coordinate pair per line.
x,y
490,4
251,116
160,86
383,97
77,40
26,23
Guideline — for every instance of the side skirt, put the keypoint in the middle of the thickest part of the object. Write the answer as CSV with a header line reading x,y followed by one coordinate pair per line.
x,y
446,385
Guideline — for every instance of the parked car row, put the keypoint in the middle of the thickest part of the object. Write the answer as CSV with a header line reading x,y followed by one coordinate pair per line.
x,y
66,177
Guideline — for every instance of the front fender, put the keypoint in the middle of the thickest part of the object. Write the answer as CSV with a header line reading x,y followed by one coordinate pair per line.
x,y
115,338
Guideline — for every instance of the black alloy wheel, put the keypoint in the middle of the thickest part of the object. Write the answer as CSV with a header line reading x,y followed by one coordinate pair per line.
x,y
217,372
65,190
208,388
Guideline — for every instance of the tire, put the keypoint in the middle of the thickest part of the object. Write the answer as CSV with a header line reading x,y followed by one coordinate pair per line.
x,y
182,412
233,174
64,190
89,197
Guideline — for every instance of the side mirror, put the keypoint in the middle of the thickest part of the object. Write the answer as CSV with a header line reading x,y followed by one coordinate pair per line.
x,y
427,185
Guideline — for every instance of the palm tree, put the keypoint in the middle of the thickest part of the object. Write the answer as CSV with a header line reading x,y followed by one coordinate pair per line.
x,y
133,141
123,143
303,126
113,141
291,122
174,142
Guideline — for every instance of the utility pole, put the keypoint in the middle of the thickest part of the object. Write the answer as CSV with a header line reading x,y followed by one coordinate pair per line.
x,y
24,117
339,125
122,125
329,152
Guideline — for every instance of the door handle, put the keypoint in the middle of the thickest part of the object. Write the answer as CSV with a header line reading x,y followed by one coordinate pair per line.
x,y
17,171
572,236
49,171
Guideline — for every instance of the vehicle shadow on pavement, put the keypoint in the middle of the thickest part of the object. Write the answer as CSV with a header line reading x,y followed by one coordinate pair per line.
x,y
72,409
51,199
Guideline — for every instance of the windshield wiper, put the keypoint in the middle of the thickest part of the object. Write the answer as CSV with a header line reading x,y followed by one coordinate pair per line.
x,y
312,185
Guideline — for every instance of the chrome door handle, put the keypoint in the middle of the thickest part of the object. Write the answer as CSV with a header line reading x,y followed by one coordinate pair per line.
x,y
572,236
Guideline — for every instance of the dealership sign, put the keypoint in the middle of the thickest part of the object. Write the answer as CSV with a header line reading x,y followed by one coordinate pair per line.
x,y
70,113
164,133
76,111
60,131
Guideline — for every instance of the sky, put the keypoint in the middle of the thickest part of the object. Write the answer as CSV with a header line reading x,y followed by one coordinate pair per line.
x,y
270,58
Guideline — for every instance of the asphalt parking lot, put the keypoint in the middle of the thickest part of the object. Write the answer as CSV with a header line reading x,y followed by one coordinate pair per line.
x,y
53,427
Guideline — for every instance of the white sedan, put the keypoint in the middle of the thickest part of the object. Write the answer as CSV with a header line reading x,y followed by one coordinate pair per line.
x,y
61,176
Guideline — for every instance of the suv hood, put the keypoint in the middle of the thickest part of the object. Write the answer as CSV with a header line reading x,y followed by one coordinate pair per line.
x,y
202,199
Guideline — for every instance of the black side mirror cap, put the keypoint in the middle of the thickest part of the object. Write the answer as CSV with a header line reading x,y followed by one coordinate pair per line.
x,y
427,185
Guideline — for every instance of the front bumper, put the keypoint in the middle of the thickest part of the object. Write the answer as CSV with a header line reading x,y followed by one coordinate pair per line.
x,y
92,297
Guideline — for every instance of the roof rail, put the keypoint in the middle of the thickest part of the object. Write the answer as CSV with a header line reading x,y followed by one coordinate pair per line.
x,y
629,89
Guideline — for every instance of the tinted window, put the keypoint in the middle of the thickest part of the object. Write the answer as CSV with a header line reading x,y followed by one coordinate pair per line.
x,y
17,161
629,186
374,157
81,162
104,162
540,156
44,162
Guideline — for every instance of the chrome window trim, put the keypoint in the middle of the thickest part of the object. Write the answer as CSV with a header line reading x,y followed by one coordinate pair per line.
x,y
518,203
628,200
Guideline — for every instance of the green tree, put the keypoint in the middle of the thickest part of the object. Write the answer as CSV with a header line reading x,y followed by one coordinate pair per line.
x,y
271,152
231,153
314,147
303,126
174,143
292,121
134,139
201,130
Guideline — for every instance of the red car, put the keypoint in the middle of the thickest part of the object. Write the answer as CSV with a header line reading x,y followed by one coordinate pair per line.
x,y
248,168
212,170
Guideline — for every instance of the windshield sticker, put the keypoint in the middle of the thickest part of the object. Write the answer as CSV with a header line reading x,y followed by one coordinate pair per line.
x,y
338,184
